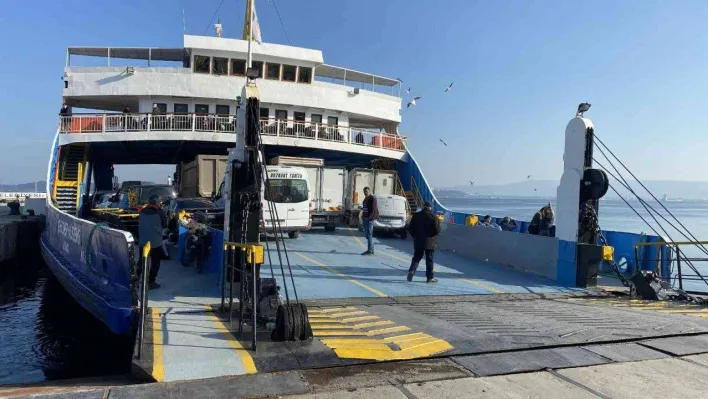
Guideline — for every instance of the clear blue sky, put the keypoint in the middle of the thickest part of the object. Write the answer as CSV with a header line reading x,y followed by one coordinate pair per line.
x,y
520,69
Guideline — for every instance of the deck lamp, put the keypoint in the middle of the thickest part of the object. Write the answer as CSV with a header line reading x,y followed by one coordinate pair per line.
x,y
582,108
253,73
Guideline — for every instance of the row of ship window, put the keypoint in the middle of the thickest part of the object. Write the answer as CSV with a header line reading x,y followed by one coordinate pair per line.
x,y
225,110
236,67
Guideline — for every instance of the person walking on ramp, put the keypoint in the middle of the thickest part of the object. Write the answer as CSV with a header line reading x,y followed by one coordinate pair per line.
x,y
424,228
369,214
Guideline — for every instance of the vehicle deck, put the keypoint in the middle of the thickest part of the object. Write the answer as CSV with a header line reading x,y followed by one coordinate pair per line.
x,y
363,310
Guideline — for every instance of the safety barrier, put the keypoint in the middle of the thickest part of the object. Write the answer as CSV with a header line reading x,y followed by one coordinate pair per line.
x,y
334,133
111,123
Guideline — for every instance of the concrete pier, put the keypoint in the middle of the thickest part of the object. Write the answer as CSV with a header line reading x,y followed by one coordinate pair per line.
x,y
18,235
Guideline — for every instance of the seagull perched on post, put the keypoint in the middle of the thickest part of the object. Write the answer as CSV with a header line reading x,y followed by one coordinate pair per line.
x,y
400,80
412,102
441,140
448,88
582,108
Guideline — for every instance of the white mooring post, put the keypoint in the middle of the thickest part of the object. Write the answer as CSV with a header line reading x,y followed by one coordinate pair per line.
x,y
568,198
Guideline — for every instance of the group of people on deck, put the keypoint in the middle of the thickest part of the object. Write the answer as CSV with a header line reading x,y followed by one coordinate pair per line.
x,y
424,227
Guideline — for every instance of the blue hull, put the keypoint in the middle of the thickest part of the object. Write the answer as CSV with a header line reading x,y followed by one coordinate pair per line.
x,y
104,282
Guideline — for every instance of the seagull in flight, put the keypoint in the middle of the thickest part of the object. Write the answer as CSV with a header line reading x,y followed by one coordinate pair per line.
x,y
408,91
441,140
448,88
413,101
471,182
528,177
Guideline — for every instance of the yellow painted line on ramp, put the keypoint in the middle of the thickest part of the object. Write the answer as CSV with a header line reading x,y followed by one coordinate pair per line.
x,y
388,330
359,318
483,286
335,271
358,341
329,311
248,365
345,314
158,365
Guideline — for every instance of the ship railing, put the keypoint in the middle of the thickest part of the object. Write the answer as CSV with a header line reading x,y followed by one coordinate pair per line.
x,y
677,256
333,133
111,123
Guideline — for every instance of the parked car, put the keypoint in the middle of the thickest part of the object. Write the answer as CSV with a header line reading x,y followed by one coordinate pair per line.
x,y
175,206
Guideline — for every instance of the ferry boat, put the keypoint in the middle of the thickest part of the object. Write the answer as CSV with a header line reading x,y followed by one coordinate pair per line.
x,y
150,105
168,105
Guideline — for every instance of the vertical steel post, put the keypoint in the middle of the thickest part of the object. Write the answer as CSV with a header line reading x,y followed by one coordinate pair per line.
x,y
254,299
242,286
678,266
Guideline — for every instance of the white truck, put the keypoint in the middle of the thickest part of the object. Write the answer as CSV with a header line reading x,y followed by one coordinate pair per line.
x,y
289,196
326,189
381,182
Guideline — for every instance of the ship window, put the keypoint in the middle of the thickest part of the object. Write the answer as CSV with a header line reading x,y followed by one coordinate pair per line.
x,y
220,66
238,67
181,108
222,110
265,113
332,120
272,71
201,109
202,64
304,75
289,72
316,118
258,65
281,114
299,116
161,107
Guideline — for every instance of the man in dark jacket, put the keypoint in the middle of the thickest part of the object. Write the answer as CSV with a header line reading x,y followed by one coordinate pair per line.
x,y
424,227
542,222
369,213
151,223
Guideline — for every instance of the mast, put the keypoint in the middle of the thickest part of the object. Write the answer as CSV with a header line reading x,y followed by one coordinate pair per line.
x,y
249,60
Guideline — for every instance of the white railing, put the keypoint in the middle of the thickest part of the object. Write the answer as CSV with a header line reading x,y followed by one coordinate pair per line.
x,y
109,123
113,123
325,132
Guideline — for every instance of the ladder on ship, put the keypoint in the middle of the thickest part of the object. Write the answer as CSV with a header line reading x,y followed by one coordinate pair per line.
x,y
67,185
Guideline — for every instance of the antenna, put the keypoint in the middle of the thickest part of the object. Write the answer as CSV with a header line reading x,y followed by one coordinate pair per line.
x,y
184,23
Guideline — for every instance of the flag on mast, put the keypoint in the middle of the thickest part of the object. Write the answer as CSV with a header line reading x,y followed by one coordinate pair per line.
x,y
256,26
247,25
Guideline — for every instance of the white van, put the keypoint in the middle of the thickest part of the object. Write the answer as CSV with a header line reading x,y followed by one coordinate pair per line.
x,y
393,215
289,196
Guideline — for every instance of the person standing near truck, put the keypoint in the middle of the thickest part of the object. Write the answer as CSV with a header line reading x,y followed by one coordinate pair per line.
x,y
151,223
369,213
424,227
